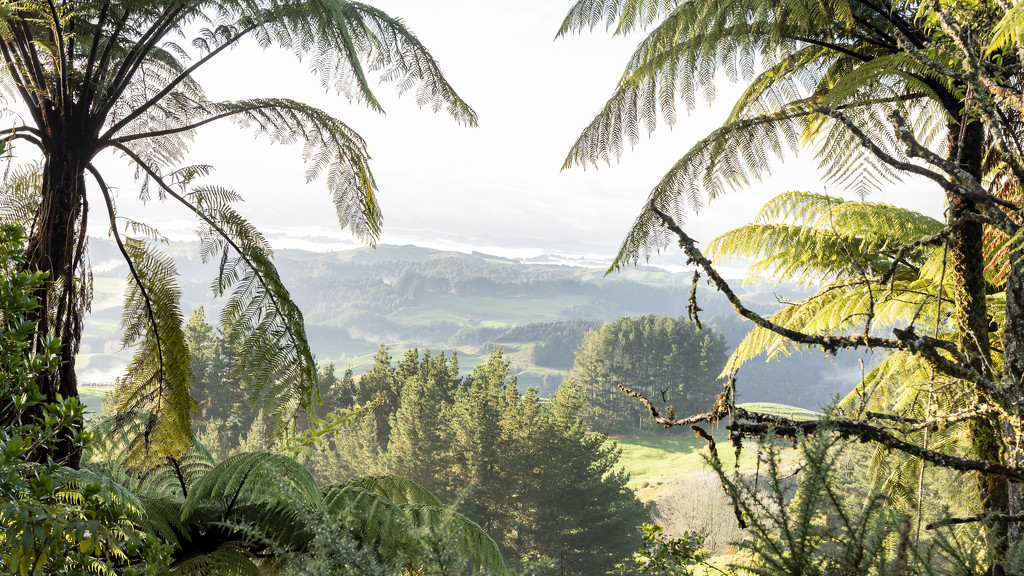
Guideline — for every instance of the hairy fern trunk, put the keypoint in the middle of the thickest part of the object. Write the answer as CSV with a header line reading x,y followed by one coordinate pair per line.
x,y
56,246
967,267
1013,366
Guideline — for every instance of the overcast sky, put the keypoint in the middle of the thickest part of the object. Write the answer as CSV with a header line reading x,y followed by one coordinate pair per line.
x,y
497,188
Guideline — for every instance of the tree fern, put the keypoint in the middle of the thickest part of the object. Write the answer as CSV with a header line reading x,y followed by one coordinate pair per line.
x,y
256,512
837,55
159,376
98,77
260,318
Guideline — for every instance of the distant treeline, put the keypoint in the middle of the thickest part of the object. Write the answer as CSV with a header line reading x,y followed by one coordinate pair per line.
x,y
361,295
411,296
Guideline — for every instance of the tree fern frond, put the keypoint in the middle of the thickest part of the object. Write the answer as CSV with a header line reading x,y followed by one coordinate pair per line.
x,y
158,379
162,519
263,489
788,79
102,486
1007,31
728,157
469,539
260,318
828,239
625,15
329,144
175,477
339,36
228,558
143,229
373,519
399,490
21,194
796,206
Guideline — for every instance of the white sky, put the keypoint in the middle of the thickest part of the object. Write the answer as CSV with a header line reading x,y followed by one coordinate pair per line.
x,y
496,188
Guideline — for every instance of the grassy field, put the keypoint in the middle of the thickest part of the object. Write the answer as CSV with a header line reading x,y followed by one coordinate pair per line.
x,y
654,460
92,396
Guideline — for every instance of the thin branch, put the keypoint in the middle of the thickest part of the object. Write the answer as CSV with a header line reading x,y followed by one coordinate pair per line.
x,y
717,462
972,519
173,83
830,343
906,339
866,432
900,251
755,424
131,266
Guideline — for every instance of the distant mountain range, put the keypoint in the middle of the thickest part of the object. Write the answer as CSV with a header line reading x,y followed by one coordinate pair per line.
x,y
409,296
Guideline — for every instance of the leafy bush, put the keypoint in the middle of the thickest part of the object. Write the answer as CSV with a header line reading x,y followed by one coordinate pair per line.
x,y
53,520
823,530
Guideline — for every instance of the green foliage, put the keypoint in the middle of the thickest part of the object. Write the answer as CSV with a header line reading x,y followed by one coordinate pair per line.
x,y
801,236
159,378
827,528
117,78
835,54
53,520
662,554
667,359
526,472
837,245
263,512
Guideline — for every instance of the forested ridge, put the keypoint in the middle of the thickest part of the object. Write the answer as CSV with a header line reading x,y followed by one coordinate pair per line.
x,y
411,297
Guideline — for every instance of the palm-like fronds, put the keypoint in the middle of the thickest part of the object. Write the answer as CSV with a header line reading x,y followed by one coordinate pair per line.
x,y
821,237
390,512
247,514
846,247
259,316
159,376
98,76
875,269
21,195
798,56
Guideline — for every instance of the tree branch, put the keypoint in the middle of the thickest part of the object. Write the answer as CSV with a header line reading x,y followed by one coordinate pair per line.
x,y
131,266
173,83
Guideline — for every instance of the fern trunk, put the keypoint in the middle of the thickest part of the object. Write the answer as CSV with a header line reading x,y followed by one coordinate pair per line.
x,y
967,264
56,246
1013,363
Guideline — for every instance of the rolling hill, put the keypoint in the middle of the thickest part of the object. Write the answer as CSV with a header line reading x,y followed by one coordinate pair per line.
x,y
409,296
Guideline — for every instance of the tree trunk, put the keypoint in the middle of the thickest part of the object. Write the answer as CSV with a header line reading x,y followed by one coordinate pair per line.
x,y
967,264
1013,368
56,247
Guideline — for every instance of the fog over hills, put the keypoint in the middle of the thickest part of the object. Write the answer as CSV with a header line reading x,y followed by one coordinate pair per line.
x,y
535,309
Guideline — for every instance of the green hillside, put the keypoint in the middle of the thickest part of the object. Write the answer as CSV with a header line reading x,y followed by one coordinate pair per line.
x,y
413,297
656,460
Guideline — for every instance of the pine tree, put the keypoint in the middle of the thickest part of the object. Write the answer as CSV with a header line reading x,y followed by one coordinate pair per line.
x,y
665,358
416,447
585,514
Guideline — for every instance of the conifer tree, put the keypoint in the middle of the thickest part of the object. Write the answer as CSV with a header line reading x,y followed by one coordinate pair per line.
x,y
665,358
416,447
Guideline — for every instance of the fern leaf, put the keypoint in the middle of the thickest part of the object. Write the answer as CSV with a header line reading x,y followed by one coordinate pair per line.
x,y
158,379
260,318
